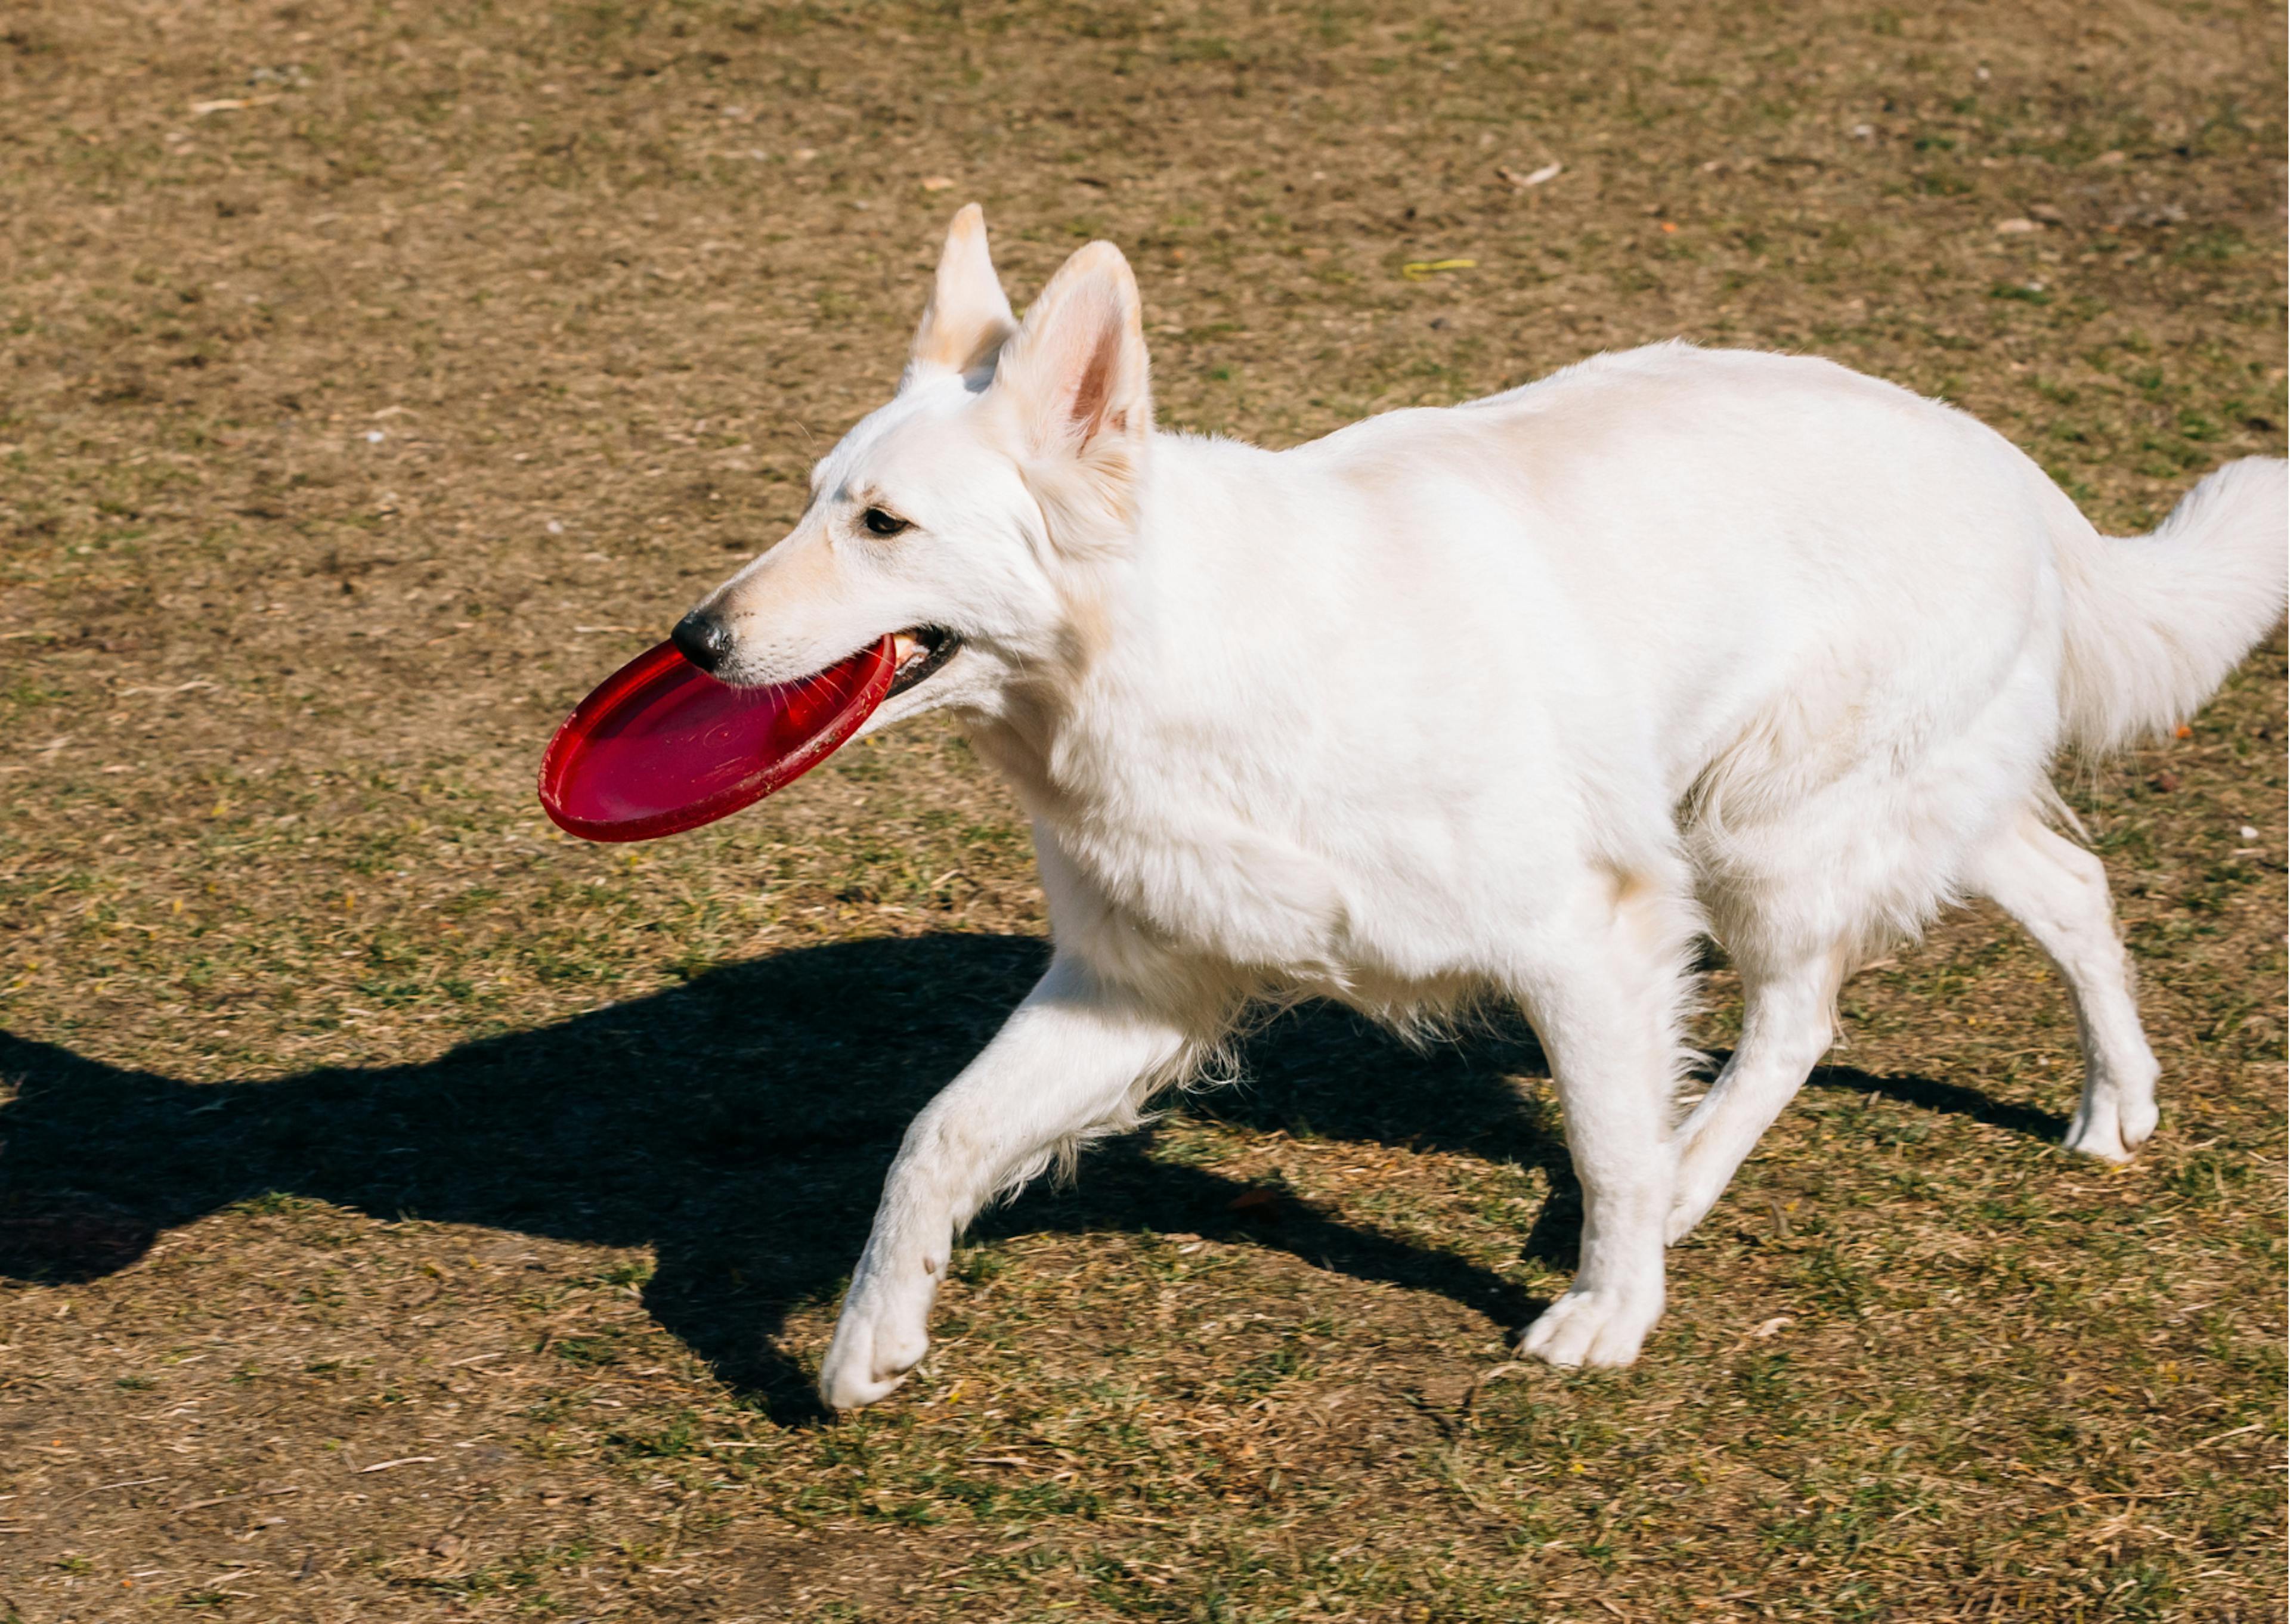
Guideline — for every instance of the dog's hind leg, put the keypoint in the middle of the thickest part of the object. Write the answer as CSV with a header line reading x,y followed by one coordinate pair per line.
x,y
2058,891
1607,1009
1076,1058
1787,1026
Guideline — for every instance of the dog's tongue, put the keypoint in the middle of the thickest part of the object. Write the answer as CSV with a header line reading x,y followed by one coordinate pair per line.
x,y
661,746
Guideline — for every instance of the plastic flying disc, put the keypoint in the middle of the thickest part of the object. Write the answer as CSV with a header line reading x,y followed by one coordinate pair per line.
x,y
661,746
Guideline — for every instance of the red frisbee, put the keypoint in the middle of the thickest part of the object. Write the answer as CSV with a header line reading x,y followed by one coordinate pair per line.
x,y
661,746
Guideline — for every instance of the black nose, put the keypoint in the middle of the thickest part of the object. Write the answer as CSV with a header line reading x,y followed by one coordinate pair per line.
x,y
702,641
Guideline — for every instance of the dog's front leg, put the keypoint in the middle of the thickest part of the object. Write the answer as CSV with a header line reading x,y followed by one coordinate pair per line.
x,y
1078,1056
1607,1012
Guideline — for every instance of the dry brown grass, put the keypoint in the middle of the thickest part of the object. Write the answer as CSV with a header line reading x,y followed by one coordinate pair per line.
x,y
410,1214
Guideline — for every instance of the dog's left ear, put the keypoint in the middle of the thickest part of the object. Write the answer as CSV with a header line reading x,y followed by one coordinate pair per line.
x,y
1075,373
968,316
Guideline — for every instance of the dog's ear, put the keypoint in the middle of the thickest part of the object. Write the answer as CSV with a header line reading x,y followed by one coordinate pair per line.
x,y
968,316
1075,372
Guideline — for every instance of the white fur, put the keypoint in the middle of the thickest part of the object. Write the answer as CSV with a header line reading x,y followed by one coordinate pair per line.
x,y
1520,697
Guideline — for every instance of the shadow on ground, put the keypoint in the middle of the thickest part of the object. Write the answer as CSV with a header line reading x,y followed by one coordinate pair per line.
x,y
739,1125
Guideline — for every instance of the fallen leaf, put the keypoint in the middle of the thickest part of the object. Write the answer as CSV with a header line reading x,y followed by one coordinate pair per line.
x,y
1421,270
1772,1327
2015,226
938,183
1549,171
1497,1373
2150,214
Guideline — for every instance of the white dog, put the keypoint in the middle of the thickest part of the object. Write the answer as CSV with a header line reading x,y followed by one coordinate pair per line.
x,y
1519,697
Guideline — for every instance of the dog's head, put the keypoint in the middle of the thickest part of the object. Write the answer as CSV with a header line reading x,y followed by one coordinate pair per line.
x,y
964,517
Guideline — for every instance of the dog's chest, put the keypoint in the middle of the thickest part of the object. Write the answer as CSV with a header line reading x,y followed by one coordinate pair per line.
x,y
1166,839
1214,884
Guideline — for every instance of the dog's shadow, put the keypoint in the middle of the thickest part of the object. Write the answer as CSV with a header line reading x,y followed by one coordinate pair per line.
x,y
739,1125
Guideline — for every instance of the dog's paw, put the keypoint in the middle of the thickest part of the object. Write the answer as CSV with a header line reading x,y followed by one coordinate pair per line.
x,y
1592,1328
871,1357
2116,1113
2109,1133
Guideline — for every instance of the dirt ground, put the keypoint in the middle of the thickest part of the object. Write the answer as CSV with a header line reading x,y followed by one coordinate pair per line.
x,y
409,1213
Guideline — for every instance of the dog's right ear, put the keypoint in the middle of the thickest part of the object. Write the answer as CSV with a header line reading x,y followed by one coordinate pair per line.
x,y
968,316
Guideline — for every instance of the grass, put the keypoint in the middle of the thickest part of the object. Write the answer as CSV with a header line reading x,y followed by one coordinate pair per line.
x,y
407,1212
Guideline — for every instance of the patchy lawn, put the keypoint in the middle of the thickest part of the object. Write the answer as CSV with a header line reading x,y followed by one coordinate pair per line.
x,y
408,1214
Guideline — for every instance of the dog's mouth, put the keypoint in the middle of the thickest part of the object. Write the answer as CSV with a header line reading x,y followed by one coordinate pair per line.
x,y
921,650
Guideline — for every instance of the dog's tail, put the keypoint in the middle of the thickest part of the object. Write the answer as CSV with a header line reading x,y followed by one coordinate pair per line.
x,y
2154,623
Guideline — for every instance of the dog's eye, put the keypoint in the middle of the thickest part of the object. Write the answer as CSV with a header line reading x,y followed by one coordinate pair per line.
x,y
883,524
